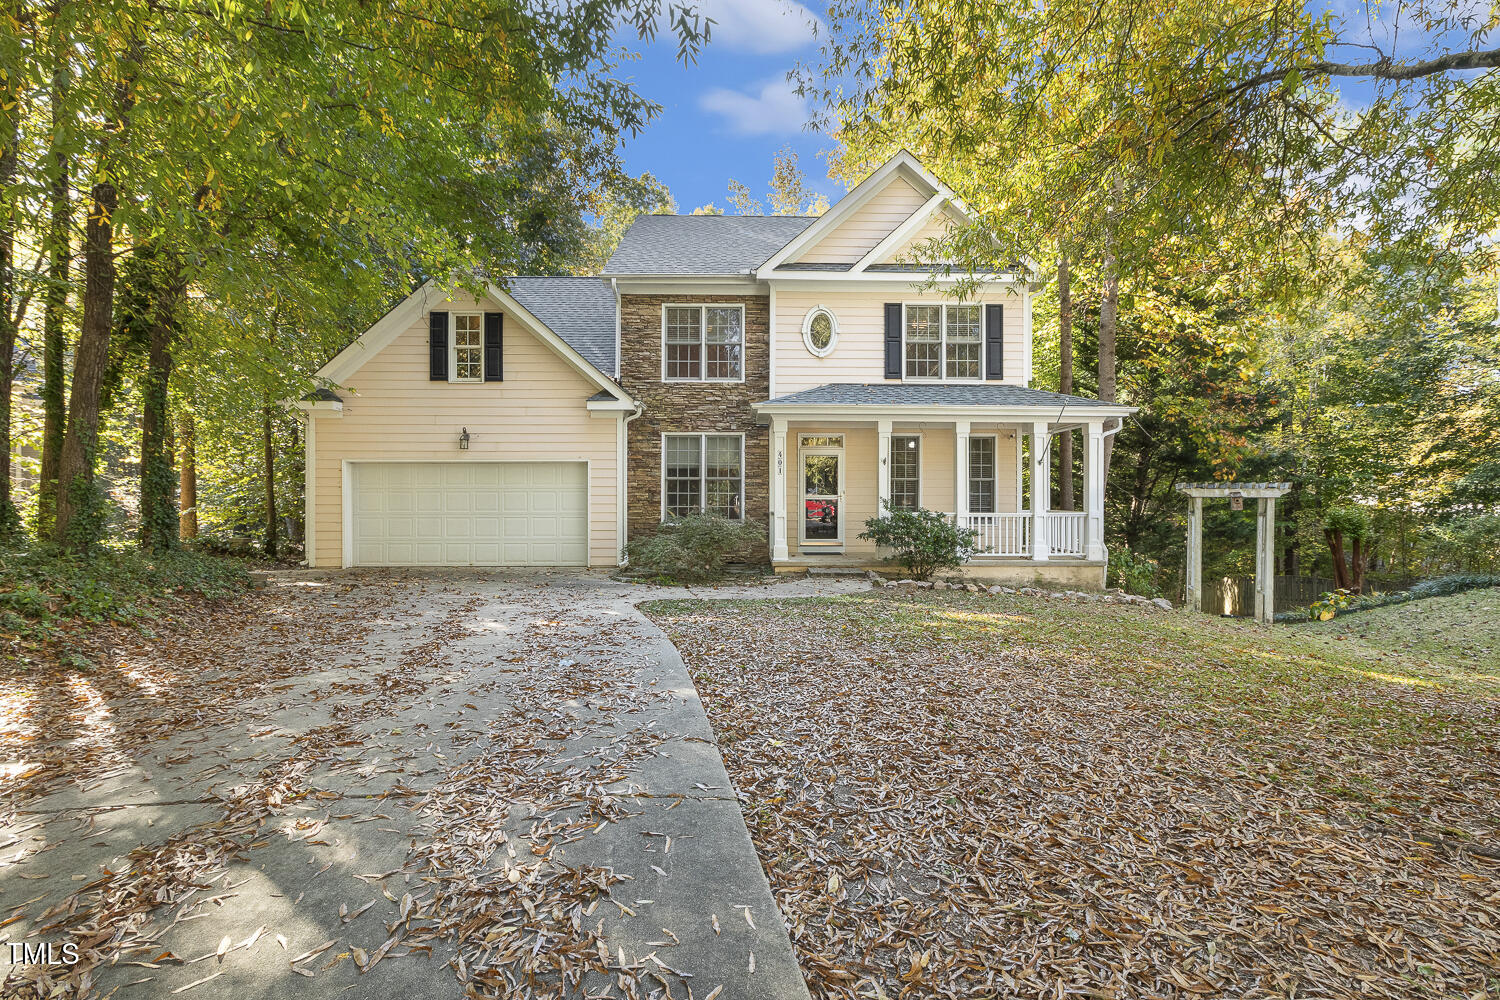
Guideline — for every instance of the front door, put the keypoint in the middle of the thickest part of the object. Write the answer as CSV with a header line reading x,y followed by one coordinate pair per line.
x,y
822,490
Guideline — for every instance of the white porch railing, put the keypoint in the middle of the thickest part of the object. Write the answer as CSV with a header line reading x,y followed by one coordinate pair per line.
x,y
1000,534
1010,534
1065,532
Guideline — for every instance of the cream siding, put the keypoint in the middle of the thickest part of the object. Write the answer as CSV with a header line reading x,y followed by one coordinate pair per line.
x,y
863,230
906,251
859,355
861,462
392,412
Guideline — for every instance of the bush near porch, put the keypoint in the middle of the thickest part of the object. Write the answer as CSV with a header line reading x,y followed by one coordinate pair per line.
x,y
922,541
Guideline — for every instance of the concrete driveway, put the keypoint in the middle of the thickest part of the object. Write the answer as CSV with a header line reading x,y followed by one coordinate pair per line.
x,y
385,785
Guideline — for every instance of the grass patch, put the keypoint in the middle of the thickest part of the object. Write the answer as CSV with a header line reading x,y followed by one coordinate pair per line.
x,y
49,601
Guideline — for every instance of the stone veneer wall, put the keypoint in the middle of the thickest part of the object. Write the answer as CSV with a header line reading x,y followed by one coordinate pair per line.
x,y
691,407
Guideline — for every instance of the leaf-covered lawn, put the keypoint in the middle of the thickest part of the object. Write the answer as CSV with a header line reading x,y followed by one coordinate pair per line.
x,y
1453,639
965,795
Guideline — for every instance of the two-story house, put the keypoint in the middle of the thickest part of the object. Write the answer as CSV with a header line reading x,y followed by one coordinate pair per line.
x,y
792,371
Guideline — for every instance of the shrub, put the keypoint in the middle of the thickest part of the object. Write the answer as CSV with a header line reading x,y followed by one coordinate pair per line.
x,y
1330,604
1135,573
1342,602
697,549
43,590
923,541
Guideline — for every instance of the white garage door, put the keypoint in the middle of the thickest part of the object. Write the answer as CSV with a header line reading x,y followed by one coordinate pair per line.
x,y
470,513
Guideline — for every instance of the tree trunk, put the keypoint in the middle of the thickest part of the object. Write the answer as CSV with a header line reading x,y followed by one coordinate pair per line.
x,y
54,344
55,302
79,501
1336,549
272,528
1357,570
158,518
187,483
1065,378
10,152
1109,315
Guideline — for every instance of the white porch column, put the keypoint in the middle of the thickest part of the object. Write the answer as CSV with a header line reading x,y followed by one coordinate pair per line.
x,y
1195,556
961,470
1093,492
1041,491
778,491
883,470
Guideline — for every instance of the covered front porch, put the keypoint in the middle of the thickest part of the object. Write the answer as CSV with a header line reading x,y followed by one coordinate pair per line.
x,y
980,453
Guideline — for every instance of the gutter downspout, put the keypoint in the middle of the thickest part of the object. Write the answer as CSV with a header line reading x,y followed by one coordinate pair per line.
x,y
623,483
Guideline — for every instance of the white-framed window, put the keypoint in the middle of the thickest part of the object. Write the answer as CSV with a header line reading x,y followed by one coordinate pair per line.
x,y
983,473
943,342
703,473
466,350
820,331
703,343
906,471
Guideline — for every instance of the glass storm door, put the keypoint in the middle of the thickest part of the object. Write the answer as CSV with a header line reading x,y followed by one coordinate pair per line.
x,y
822,490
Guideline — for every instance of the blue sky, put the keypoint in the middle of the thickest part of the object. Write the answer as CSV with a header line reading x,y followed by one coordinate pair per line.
x,y
731,112
728,114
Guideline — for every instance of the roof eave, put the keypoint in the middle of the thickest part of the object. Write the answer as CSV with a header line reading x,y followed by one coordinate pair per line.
x,y
946,410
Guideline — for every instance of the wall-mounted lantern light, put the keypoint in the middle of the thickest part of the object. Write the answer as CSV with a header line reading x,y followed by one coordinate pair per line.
x,y
463,440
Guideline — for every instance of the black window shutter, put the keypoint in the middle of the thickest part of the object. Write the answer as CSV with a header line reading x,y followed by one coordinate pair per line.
x,y
893,340
494,353
437,344
994,342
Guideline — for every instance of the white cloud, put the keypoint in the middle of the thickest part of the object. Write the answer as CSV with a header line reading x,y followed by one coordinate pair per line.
x,y
773,109
761,26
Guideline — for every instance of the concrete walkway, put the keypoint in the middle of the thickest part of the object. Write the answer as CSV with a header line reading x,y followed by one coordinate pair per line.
x,y
517,762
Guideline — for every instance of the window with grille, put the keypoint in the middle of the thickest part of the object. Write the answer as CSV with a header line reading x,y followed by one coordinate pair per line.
x,y
963,341
703,343
944,342
924,341
468,347
906,472
982,475
703,473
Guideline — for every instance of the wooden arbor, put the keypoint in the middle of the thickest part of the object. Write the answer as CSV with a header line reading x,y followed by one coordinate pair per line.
x,y
1265,539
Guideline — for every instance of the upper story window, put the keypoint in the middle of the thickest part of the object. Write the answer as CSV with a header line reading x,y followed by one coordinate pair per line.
x,y
820,331
703,343
468,347
943,342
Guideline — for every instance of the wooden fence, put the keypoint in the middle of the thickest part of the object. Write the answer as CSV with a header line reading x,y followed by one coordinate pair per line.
x,y
1235,595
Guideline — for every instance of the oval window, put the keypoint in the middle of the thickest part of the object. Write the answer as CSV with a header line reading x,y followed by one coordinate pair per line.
x,y
819,331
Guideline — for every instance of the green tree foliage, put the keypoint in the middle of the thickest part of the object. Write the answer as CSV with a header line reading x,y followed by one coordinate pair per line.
x,y
298,166
1288,286
790,194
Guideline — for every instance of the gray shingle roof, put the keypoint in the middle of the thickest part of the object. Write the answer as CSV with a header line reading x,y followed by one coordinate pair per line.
x,y
930,394
579,310
703,244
